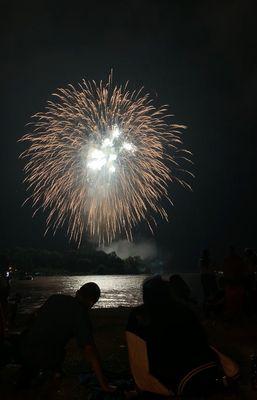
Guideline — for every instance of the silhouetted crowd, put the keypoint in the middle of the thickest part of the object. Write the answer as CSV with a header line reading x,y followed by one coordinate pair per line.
x,y
169,353
229,290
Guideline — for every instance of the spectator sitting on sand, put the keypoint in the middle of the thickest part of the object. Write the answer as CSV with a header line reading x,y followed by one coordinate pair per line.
x,y
58,320
168,350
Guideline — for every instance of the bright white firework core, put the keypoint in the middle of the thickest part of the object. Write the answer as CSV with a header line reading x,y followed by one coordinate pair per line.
x,y
97,159
127,146
104,155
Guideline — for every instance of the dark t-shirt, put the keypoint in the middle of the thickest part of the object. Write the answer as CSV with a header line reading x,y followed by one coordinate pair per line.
x,y
59,319
176,342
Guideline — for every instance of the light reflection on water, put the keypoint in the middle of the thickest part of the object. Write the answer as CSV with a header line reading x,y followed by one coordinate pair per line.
x,y
116,290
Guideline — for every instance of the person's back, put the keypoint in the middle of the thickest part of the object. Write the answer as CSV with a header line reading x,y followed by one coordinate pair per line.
x,y
168,348
175,340
59,319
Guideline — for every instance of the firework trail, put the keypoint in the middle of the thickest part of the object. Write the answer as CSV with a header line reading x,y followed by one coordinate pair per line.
x,y
100,158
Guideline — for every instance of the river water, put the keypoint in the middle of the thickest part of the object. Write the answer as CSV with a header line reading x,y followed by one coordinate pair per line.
x,y
116,290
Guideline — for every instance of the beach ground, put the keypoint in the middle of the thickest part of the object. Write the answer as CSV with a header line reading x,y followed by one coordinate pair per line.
x,y
237,339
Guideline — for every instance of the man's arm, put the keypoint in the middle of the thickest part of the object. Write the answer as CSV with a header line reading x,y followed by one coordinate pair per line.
x,y
92,357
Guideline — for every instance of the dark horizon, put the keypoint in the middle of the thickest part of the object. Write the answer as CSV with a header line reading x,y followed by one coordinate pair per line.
x,y
199,57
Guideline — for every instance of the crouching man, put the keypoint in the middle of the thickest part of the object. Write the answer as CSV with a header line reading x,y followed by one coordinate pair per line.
x,y
60,319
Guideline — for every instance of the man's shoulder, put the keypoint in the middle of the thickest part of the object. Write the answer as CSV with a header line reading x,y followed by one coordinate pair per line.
x,y
64,307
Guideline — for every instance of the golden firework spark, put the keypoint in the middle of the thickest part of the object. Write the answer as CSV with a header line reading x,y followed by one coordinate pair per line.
x,y
100,159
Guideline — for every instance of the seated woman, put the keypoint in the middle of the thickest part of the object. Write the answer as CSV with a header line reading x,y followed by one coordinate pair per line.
x,y
168,350
180,289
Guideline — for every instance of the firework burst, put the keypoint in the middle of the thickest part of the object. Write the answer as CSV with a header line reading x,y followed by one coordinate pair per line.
x,y
100,158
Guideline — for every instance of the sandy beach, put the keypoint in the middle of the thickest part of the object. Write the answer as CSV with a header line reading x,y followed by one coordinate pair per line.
x,y
236,339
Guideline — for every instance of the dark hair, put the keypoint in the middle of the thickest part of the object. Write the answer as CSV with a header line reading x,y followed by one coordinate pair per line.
x,y
89,291
179,288
156,292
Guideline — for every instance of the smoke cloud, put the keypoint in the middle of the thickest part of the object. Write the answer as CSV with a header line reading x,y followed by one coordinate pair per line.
x,y
147,250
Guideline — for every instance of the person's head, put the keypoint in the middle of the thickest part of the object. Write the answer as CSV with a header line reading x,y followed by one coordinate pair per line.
x,y
179,287
88,294
156,292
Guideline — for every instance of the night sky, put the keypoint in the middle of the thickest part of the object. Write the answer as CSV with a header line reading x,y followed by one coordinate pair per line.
x,y
197,56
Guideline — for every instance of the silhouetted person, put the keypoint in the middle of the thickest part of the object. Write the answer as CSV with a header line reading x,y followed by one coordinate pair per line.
x,y
4,294
234,283
205,264
250,264
208,277
179,288
2,324
168,349
58,320
233,266
13,308
2,336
